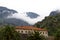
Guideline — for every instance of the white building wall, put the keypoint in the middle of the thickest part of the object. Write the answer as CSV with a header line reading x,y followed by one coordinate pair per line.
x,y
44,33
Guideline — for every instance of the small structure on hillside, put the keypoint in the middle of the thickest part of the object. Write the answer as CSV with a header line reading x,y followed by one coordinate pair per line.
x,y
31,29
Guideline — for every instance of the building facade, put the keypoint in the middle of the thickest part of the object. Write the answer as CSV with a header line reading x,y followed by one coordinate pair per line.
x,y
31,29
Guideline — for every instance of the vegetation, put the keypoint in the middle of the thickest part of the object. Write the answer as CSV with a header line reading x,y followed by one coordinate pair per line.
x,y
51,23
9,33
36,36
57,36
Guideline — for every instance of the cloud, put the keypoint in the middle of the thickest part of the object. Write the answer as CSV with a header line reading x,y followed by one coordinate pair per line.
x,y
54,13
4,12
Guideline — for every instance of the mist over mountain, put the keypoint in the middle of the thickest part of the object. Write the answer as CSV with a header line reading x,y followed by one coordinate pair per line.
x,y
5,12
54,13
32,15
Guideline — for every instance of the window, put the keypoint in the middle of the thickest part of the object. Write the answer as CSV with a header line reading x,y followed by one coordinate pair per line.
x,y
25,31
43,32
21,31
40,32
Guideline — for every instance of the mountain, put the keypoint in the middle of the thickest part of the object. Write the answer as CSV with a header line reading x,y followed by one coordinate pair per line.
x,y
32,15
54,13
51,23
14,21
5,12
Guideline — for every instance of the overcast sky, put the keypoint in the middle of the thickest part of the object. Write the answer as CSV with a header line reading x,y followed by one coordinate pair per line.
x,y
41,7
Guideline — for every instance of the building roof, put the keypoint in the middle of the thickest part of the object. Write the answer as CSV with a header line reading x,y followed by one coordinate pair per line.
x,y
30,28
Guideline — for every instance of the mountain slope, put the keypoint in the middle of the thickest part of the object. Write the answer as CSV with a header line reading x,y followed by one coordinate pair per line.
x,y
32,15
54,13
5,12
51,23
14,21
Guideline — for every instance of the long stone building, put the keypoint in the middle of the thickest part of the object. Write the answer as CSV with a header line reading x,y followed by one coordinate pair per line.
x,y
31,29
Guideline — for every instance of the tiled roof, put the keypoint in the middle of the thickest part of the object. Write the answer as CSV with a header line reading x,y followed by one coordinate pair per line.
x,y
29,28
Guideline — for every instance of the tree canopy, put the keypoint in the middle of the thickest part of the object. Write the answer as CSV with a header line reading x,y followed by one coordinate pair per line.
x,y
57,36
36,36
8,33
51,23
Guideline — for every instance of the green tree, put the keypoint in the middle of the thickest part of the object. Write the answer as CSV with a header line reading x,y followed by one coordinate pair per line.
x,y
36,36
57,37
8,33
51,23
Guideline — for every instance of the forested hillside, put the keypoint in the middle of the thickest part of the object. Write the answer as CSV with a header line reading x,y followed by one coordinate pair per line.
x,y
51,23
